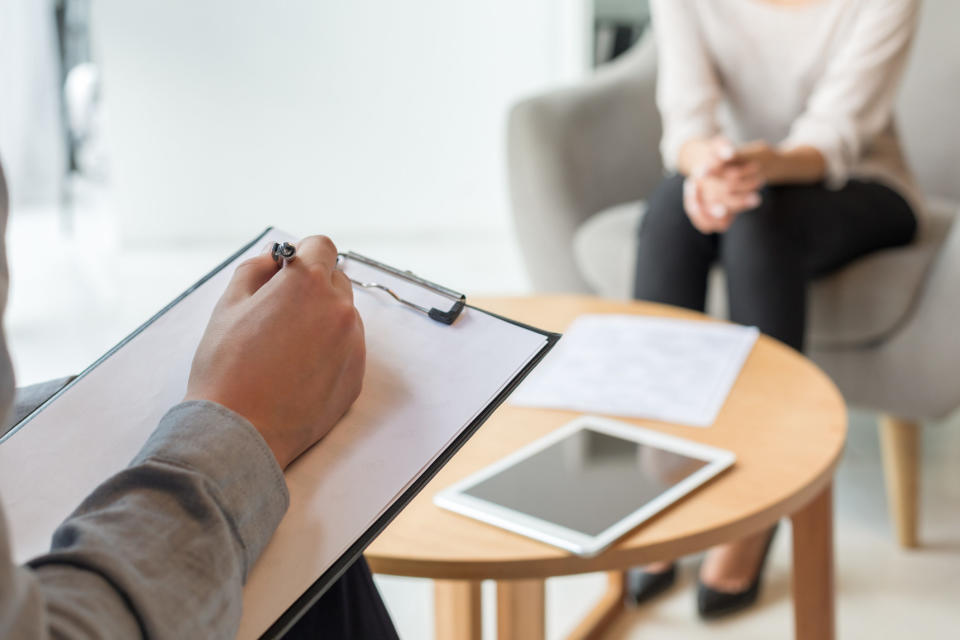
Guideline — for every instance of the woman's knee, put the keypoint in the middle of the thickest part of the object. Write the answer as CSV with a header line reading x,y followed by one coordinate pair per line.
x,y
763,238
766,224
665,215
669,192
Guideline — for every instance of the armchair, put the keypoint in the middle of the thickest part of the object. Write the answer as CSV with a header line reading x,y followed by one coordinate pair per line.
x,y
581,160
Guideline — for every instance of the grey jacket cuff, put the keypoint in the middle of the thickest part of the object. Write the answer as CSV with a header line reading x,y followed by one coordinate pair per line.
x,y
27,400
225,448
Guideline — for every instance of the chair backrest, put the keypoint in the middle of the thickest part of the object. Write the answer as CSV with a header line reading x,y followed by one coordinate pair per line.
x,y
929,102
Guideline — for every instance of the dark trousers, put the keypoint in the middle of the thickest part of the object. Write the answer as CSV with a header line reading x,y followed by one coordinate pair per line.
x,y
351,609
770,253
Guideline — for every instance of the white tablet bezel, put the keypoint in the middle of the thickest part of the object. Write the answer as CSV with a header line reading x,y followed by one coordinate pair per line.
x,y
453,499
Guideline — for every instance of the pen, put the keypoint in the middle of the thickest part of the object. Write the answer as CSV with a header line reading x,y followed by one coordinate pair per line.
x,y
283,253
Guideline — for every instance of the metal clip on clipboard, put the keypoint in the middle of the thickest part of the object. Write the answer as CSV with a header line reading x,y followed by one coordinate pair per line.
x,y
459,300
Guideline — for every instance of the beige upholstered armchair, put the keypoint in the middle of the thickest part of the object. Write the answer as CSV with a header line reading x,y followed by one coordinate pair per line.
x,y
886,328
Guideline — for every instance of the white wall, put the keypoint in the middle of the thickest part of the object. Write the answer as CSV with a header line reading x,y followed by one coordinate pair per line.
x,y
225,116
31,132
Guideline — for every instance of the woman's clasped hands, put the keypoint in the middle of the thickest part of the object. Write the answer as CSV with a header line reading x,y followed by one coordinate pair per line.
x,y
724,181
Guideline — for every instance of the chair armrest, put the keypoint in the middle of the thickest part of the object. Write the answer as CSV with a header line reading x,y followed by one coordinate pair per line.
x,y
576,151
926,350
914,373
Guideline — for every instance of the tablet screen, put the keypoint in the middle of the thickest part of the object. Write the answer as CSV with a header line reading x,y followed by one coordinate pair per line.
x,y
588,481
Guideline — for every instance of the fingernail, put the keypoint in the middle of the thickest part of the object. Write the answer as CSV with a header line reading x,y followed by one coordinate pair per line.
x,y
753,200
718,211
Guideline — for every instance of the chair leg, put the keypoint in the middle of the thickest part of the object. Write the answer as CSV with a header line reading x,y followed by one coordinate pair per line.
x,y
900,444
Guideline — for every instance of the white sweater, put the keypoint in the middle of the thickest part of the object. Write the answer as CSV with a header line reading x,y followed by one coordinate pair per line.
x,y
822,73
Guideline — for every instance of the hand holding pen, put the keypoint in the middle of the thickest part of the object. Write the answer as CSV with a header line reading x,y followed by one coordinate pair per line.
x,y
284,347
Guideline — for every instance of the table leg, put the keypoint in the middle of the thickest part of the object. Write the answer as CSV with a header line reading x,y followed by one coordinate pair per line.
x,y
606,612
457,609
521,610
813,585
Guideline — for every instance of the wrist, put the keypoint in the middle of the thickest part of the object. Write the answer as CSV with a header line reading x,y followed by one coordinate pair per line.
x,y
694,156
774,169
283,452
797,165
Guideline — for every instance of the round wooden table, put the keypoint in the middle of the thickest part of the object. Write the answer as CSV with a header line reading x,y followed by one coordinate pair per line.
x,y
784,420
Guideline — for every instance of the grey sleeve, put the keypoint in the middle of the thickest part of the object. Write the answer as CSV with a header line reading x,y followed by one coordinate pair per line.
x,y
27,399
161,549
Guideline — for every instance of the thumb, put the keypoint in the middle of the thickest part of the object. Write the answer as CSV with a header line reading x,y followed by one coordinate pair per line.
x,y
720,151
250,275
722,148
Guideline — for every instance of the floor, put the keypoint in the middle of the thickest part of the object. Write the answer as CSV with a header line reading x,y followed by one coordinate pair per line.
x,y
84,292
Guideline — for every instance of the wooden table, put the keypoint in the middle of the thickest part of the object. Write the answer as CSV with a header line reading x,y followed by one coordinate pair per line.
x,y
784,419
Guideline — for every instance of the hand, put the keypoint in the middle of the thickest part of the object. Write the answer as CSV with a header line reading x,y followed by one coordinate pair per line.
x,y
796,165
701,156
760,155
715,196
284,348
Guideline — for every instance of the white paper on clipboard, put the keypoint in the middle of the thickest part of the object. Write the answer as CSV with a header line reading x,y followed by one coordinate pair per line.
x,y
425,383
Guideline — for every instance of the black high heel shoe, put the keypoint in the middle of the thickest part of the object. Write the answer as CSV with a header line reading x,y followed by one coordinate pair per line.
x,y
644,585
713,604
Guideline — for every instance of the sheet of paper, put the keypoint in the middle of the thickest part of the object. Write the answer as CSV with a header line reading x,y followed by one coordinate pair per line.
x,y
425,382
623,365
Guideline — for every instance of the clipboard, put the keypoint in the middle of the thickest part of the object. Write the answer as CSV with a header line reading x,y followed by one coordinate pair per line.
x,y
386,296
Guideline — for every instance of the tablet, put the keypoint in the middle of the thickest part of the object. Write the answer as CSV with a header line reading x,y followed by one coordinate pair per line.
x,y
586,484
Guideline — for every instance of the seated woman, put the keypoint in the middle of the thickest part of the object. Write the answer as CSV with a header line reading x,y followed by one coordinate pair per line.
x,y
778,126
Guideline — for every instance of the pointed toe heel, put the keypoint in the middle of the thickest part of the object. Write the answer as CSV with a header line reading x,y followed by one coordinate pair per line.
x,y
644,585
712,604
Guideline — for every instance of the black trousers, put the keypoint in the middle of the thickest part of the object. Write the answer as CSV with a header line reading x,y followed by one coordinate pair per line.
x,y
352,610
770,253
